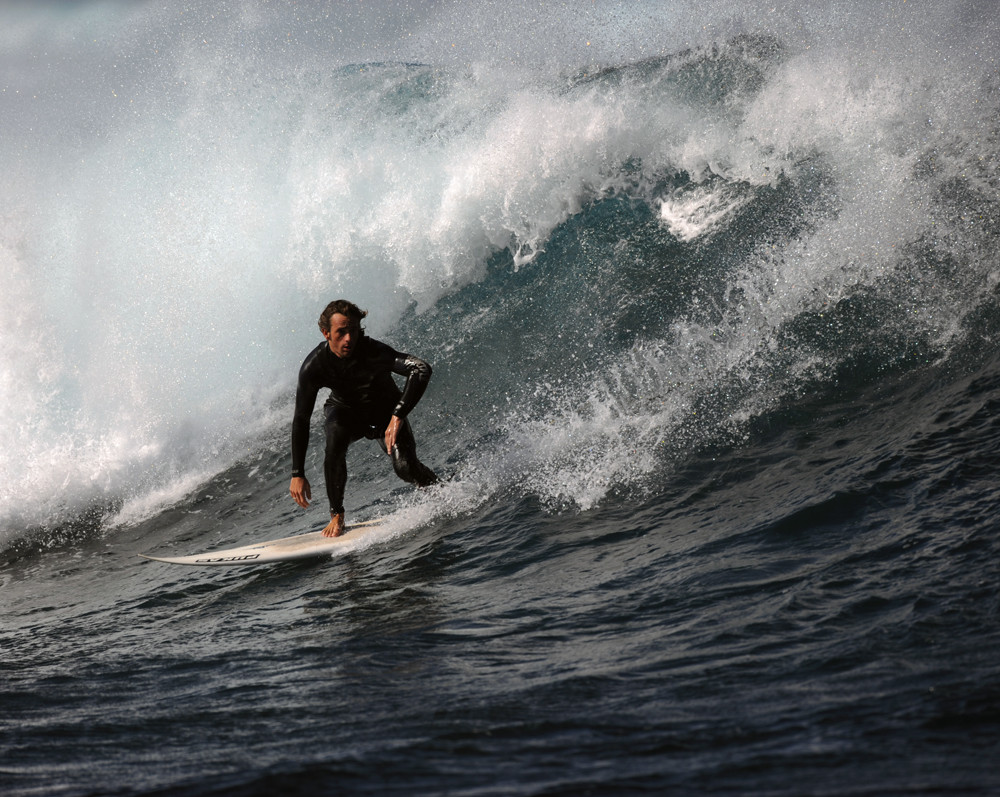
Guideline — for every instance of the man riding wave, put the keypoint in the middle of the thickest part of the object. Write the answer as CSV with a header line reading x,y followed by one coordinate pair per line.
x,y
364,401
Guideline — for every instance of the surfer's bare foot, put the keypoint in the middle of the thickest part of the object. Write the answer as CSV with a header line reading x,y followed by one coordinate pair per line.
x,y
335,528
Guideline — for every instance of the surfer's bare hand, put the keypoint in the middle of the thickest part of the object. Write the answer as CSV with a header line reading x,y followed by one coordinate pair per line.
x,y
301,491
391,431
335,527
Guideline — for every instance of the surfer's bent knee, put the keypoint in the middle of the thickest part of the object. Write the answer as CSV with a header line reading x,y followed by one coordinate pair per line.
x,y
410,469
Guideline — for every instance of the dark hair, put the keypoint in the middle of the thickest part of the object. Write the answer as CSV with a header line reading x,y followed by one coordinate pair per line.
x,y
345,308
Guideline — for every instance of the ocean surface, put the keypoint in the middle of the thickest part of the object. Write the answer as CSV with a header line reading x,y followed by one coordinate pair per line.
x,y
712,296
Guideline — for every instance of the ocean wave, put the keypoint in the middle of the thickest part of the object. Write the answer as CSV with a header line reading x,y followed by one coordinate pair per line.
x,y
596,255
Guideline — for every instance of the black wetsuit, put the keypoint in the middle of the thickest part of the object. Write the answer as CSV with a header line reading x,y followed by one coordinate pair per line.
x,y
363,398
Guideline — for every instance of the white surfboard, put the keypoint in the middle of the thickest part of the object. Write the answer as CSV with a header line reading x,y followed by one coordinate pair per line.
x,y
301,546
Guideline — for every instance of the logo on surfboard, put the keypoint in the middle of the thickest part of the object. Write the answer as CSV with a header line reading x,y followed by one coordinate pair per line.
x,y
228,558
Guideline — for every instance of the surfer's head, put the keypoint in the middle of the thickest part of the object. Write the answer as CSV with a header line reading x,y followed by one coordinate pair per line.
x,y
340,323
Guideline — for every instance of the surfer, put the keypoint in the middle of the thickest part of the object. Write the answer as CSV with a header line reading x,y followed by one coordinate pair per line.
x,y
364,401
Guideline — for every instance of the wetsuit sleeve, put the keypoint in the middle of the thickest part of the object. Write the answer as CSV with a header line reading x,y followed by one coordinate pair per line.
x,y
305,400
418,374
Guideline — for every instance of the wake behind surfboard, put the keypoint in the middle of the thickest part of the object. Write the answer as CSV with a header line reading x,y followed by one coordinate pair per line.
x,y
301,546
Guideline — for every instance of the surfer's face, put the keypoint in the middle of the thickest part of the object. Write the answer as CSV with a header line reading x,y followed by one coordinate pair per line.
x,y
343,336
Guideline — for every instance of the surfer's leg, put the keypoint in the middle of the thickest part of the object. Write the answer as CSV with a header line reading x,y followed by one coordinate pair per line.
x,y
405,462
339,435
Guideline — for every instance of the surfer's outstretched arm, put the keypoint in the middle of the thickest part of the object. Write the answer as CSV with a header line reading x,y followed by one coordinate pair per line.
x,y
305,400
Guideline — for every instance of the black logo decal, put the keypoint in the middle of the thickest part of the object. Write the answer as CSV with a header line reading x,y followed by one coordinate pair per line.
x,y
229,558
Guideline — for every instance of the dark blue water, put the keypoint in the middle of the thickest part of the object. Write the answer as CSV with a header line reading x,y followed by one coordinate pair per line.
x,y
712,316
